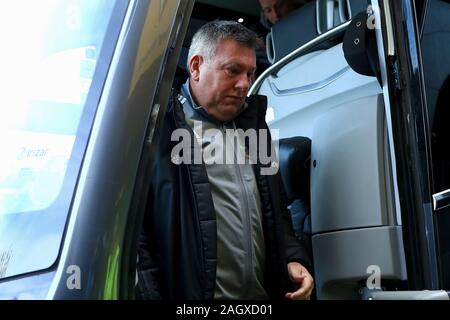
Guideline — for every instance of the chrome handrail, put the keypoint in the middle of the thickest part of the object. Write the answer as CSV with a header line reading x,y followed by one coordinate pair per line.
x,y
296,53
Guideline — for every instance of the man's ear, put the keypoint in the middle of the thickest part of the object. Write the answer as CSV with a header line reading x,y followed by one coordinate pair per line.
x,y
194,67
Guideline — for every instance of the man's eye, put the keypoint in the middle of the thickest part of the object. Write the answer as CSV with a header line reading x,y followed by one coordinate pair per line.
x,y
232,71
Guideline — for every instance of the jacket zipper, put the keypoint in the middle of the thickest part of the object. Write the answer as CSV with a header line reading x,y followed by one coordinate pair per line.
x,y
247,218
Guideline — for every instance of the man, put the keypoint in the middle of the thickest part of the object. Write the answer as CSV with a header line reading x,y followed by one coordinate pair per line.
x,y
274,10
217,231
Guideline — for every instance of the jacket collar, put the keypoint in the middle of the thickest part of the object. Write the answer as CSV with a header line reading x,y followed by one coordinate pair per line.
x,y
250,116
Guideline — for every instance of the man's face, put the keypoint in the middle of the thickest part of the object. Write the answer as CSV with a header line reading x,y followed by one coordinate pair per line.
x,y
274,10
221,84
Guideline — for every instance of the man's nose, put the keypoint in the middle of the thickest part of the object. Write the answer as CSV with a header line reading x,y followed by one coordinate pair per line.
x,y
243,83
276,15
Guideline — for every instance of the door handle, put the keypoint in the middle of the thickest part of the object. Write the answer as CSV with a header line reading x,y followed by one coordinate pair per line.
x,y
441,200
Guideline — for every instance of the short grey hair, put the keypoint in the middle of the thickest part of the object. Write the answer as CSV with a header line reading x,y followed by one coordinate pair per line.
x,y
207,38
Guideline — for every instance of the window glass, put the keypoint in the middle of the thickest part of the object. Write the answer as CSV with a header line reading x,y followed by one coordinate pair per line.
x,y
50,57
436,64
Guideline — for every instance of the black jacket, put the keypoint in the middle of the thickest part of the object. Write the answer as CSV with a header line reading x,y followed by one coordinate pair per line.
x,y
178,245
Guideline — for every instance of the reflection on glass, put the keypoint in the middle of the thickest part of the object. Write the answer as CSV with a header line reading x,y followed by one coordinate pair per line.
x,y
49,57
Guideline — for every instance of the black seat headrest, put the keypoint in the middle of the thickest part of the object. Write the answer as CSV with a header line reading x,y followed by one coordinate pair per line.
x,y
295,155
293,31
356,6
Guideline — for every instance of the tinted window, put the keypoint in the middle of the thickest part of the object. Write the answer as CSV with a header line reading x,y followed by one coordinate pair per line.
x,y
436,52
52,59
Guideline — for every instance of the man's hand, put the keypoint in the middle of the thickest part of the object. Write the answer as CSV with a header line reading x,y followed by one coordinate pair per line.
x,y
301,277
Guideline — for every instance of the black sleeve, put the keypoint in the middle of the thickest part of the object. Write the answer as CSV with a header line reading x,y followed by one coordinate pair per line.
x,y
147,288
147,268
295,249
